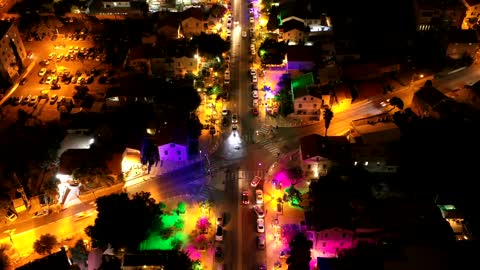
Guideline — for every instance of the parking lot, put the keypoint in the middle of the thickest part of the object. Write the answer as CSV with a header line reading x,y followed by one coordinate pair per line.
x,y
40,52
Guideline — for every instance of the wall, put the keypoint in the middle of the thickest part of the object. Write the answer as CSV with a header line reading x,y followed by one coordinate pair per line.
x,y
173,152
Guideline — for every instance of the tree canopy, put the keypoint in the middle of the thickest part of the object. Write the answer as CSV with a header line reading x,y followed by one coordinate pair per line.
x,y
210,45
300,254
45,244
124,221
272,52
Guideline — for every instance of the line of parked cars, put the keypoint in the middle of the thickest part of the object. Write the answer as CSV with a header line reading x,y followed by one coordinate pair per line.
x,y
257,208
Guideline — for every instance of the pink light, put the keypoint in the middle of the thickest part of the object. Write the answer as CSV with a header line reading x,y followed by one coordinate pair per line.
x,y
193,254
282,178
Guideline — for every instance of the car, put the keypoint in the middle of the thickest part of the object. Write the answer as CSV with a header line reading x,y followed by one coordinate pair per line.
x,y
259,211
220,220
23,81
226,81
218,254
262,267
260,225
244,34
259,196
255,110
245,199
252,20
253,72
49,80
255,181
234,127
235,23
33,100
224,112
51,56
279,208
254,79
11,215
219,234
59,57
261,242
42,72
255,94
26,99
385,103
42,213
61,100
17,100
234,119
255,103
55,86
227,58
250,10
53,99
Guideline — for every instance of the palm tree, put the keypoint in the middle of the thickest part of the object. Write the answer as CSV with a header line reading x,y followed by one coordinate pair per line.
x,y
327,116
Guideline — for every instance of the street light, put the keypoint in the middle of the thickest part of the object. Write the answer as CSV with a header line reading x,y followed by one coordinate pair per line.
x,y
420,76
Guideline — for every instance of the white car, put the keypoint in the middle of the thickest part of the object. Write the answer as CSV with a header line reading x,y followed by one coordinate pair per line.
x,y
252,20
226,81
235,23
42,72
259,196
244,34
255,94
260,225
253,72
255,181
225,112
49,80
254,79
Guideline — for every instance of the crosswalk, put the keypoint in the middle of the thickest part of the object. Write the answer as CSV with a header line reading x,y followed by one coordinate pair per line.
x,y
272,146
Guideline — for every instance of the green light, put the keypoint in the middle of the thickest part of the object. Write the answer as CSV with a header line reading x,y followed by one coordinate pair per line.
x,y
177,238
262,52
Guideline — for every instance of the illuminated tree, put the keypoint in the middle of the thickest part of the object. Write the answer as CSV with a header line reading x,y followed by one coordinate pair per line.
x,y
45,244
203,224
79,253
300,254
182,207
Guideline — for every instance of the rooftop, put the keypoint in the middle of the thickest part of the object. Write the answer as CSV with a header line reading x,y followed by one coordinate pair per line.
x,y
430,95
335,148
301,53
58,261
293,24
73,159
463,36
4,26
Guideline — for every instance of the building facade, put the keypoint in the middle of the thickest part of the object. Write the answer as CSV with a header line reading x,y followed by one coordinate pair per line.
x,y
12,52
173,152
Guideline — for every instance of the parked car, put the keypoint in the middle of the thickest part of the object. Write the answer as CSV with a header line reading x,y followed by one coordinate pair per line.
x,y
261,225
245,199
259,211
42,72
219,234
261,242
53,99
33,101
220,220
234,119
259,196
23,81
11,215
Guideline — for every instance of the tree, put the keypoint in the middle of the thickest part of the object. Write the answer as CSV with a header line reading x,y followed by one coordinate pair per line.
x,y
5,203
45,244
272,52
203,224
4,259
300,255
327,117
79,253
217,11
210,45
50,188
396,102
117,214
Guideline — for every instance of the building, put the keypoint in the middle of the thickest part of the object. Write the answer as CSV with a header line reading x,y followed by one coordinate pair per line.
x,y
319,153
377,129
116,3
58,260
376,158
331,242
430,102
156,61
293,32
432,14
114,8
462,43
168,27
307,106
300,59
193,22
316,22
13,55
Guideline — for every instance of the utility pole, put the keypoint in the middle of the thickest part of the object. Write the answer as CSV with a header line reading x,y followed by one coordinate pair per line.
x,y
20,190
